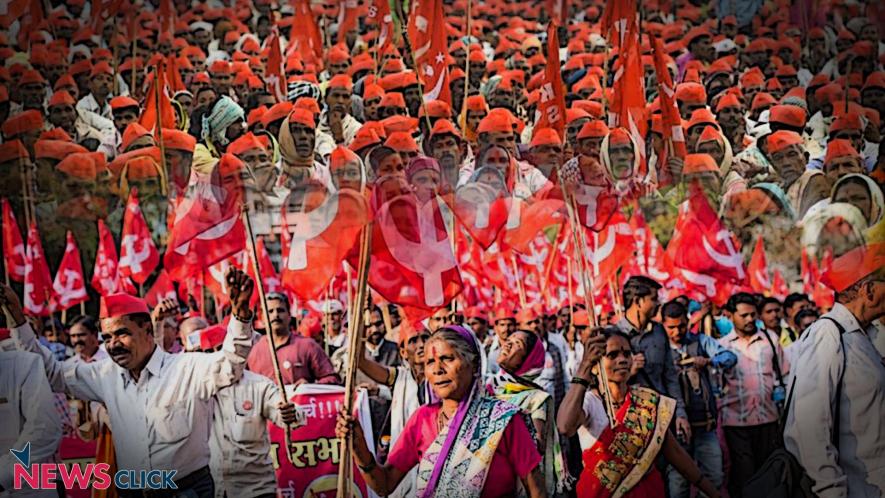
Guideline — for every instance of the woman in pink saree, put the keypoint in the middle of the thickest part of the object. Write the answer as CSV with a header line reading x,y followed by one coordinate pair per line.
x,y
468,444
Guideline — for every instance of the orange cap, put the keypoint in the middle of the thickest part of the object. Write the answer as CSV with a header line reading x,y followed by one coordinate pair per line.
x,y
839,147
854,265
341,81
787,114
178,140
22,122
245,143
477,103
593,129
122,102
444,127
133,132
401,142
782,139
80,165
303,117
545,136
691,92
61,97
365,137
56,149
341,156
13,150
699,163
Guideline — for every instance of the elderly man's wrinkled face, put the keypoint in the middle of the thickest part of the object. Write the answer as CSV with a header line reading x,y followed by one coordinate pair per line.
x,y
841,166
789,163
304,138
622,158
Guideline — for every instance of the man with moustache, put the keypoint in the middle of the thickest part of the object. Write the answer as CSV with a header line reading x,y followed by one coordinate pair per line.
x,y
301,359
448,148
158,404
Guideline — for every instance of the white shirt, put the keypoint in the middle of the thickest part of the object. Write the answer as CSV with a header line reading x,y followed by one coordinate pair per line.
x,y
161,421
857,467
27,413
89,104
239,446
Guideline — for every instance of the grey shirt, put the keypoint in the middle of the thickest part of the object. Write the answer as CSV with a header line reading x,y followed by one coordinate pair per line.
x,y
857,467
659,372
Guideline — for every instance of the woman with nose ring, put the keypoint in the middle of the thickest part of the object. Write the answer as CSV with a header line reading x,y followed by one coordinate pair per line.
x,y
619,460
466,444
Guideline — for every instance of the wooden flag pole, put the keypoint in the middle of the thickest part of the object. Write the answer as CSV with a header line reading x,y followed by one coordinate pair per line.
x,y
164,173
519,287
262,298
356,328
581,244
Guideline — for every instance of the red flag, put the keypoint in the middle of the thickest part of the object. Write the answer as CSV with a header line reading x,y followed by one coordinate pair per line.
x,y
530,219
412,259
483,211
702,248
166,17
174,80
269,277
13,247
38,283
757,269
621,27
157,105
348,17
70,285
318,240
306,37
650,259
138,254
207,227
558,11
162,289
607,250
379,13
808,270
551,102
778,285
670,118
430,42
275,73
104,274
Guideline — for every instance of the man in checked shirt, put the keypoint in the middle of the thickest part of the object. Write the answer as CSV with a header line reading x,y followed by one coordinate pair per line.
x,y
158,404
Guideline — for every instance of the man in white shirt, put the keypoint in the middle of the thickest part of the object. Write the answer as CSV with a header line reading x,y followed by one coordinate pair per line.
x,y
28,414
839,440
158,404
101,85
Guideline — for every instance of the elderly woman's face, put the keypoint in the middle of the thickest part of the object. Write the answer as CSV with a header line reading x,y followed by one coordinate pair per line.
x,y
853,193
449,375
514,351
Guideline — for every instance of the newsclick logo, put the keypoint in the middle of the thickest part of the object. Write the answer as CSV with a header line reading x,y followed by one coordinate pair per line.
x,y
89,476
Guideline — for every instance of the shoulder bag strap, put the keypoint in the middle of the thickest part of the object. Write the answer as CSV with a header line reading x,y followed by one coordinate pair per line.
x,y
774,359
838,408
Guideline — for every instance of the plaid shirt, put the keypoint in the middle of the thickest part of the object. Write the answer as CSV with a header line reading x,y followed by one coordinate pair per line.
x,y
746,399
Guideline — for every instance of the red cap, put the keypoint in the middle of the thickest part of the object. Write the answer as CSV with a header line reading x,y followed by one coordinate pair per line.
x,y
116,305
13,150
477,103
593,129
839,147
31,77
691,92
341,81
495,123
849,121
393,99
401,141
476,312
82,165
761,100
341,156
101,68
435,109
854,265
277,112
303,117
178,140
504,312
22,122
787,114
699,163
122,102
526,315
365,137
61,97
782,139
728,100
545,136
444,127
56,149
245,143
133,132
